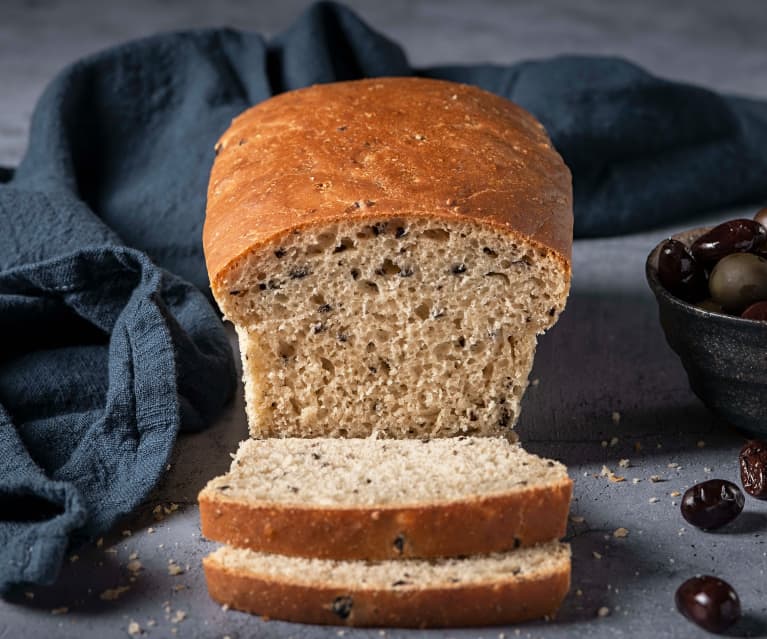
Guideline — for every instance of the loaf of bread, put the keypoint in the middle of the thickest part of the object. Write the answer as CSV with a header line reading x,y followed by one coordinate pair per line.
x,y
495,589
386,499
388,250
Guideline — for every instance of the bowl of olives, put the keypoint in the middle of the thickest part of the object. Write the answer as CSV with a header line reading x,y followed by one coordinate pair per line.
x,y
711,288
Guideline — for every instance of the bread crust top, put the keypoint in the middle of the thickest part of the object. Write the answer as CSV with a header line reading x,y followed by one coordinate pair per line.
x,y
378,148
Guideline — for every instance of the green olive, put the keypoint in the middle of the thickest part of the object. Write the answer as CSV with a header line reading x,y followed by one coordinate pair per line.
x,y
738,280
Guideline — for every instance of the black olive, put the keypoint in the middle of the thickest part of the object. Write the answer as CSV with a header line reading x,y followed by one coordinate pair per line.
x,y
712,504
680,274
709,602
753,468
757,311
734,236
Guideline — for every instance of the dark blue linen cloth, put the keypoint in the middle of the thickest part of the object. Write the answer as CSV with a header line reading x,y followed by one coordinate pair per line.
x,y
108,347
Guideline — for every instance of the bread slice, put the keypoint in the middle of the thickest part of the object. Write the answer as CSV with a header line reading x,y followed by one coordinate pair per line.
x,y
388,250
478,591
382,499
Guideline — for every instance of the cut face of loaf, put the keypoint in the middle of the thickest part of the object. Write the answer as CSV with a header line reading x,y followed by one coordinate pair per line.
x,y
388,250
476,591
408,326
386,499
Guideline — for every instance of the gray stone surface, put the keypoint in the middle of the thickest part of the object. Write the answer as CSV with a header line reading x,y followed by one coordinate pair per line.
x,y
606,355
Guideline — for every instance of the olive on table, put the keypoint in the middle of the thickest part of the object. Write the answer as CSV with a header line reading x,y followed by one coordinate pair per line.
x,y
712,504
734,236
709,602
738,280
753,468
679,273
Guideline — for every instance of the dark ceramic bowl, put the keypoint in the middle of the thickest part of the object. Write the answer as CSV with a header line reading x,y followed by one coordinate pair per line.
x,y
725,357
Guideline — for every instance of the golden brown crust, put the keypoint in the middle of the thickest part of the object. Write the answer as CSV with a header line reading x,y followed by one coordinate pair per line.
x,y
479,526
500,602
379,148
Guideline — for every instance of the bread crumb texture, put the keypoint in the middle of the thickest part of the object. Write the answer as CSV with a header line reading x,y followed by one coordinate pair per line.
x,y
387,267
376,472
521,564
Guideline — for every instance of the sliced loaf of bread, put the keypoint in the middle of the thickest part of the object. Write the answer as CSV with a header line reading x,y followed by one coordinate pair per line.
x,y
379,499
388,251
490,590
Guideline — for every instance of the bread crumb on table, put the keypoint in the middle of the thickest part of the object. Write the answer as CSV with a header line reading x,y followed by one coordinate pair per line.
x,y
616,417
624,463
596,555
604,611
621,532
134,628
654,500
178,616
60,611
112,594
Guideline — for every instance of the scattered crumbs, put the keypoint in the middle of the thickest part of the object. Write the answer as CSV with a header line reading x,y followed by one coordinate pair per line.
x,y
29,595
604,443
654,500
585,473
579,593
157,513
616,417
60,611
620,533
636,480
179,587
178,616
151,623
161,546
74,558
112,594
99,542
671,560
624,463
706,469
614,441
674,493
150,530
341,633
174,569
133,555
127,533
419,137
134,629
224,607
606,472
501,635
535,382
604,611
673,465
656,478
681,532
577,519
170,508
673,503
638,447
134,565
701,444
596,555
